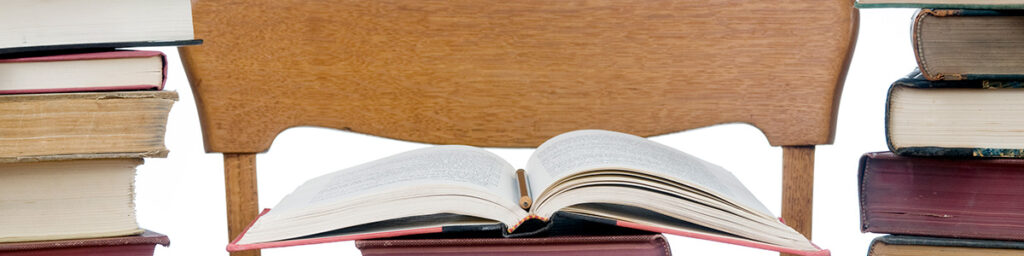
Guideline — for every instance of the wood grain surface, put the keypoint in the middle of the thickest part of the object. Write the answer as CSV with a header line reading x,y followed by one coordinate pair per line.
x,y
798,187
242,199
515,73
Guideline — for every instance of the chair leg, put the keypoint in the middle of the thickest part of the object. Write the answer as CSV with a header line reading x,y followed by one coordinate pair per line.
x,y
798,187
242,200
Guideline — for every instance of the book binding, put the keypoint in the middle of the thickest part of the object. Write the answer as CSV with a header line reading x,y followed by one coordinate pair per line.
x,y
627,245
234,246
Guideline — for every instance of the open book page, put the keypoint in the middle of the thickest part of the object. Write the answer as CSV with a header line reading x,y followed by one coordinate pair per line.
x,y
443,179
441,165
587,150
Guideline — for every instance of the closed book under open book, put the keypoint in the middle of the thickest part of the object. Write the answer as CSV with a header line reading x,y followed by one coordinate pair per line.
x,y
619,245
589,176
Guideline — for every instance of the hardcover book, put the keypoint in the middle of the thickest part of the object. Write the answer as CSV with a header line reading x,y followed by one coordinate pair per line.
x,y
959,44
620,245
32,25
937,246
958,4
40,127
79,72
970,118
73,199
590,176
137,245
948,197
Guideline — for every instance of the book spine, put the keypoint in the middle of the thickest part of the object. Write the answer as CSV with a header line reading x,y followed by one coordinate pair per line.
x,y
163,67
871,247
888,118
861,193
915,38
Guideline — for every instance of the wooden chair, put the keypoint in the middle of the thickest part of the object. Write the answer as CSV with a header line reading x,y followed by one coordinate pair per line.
x,y
514,73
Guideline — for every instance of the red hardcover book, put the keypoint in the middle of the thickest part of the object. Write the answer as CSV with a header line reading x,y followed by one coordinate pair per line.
x,y
631,245
81,72
137,245
947,197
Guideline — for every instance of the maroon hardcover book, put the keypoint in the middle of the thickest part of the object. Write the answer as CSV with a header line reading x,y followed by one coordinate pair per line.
x,y
946,197
631,245
137,245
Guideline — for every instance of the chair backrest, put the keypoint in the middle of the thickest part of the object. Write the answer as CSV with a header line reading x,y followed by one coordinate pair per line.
x,y
514,73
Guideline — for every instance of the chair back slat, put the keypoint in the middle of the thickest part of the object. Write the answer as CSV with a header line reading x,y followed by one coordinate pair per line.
x,y
515,73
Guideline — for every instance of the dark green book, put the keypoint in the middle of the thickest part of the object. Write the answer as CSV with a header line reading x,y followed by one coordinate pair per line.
x,y
968,118
892,245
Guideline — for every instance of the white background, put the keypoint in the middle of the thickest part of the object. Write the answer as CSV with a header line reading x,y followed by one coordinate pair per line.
x,y
183,195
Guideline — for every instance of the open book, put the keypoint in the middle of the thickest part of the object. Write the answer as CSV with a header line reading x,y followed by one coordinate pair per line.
x,y
577,177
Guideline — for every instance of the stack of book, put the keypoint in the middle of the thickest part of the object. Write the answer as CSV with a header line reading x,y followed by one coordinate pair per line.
x,y
77,116
953,183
